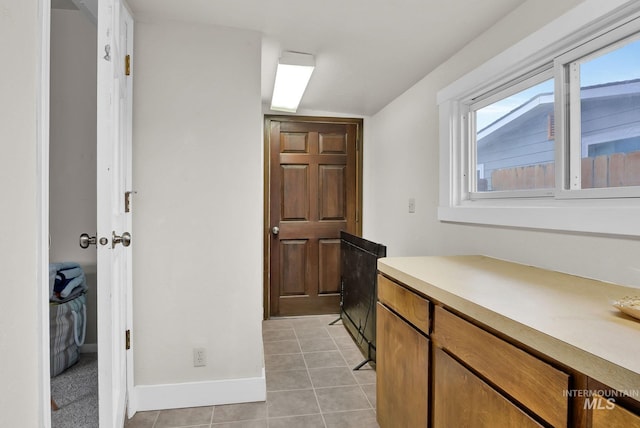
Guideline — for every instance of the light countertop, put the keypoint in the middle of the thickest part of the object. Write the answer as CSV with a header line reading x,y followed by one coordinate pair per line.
x,y
568,318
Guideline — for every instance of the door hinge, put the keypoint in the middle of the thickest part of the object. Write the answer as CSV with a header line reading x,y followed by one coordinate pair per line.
x,y
127,65
127,200
127,340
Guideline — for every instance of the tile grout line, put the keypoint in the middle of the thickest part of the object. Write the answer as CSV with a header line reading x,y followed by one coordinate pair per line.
x,y
349,368
366,396
340,350
313,387
297,340
155,421
334,340
353,375
290,390
292,416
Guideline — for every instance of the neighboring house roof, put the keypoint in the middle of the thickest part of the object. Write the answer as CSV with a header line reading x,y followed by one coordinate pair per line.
x,y
521,110
613,89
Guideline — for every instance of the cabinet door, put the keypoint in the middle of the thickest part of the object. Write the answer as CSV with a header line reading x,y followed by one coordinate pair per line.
x,y
527,379
606,414
461,399
402,369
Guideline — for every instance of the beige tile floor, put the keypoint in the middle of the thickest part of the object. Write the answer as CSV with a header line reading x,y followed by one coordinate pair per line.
x,y
310,384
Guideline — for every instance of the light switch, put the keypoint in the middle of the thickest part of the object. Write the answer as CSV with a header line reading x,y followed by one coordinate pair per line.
x,y
412,205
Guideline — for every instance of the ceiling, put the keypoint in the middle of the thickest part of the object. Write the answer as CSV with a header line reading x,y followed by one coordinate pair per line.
x,y
367,51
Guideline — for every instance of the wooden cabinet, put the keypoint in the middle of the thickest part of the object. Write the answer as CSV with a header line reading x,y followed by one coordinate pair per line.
x,y
606,414
402,364
462,399
456,348
539,387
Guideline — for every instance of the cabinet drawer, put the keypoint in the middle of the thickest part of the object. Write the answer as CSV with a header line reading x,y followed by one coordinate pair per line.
x,y
610,415
529,380
461,399
408,304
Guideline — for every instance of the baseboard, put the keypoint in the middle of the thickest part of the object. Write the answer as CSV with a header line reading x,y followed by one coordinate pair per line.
x,y
89,348
195,394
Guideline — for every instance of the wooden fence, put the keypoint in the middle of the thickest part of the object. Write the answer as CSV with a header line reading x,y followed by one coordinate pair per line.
x,y
614,170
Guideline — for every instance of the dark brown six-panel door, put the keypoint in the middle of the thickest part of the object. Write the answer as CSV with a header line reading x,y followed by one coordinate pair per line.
x,y
312,197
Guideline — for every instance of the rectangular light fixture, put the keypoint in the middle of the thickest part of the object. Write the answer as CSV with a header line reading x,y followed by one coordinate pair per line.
x,y
292,76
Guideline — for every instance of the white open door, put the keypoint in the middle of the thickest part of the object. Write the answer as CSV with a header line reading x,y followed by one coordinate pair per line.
x,y
115,37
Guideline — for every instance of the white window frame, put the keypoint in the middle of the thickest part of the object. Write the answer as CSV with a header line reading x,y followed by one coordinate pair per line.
x,y
604,211
569,64
530,79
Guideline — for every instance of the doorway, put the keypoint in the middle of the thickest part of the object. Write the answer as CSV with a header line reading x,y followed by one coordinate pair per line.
x,y
111,141
72,205
313,190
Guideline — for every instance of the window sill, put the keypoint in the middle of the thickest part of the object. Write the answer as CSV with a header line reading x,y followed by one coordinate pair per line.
x,y
606,219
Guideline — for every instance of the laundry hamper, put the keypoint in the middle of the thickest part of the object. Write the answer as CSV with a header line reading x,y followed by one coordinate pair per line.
x,y
68,327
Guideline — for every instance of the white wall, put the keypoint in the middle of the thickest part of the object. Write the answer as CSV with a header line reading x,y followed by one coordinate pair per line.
x,y
72,158
198,212
19,318
404,163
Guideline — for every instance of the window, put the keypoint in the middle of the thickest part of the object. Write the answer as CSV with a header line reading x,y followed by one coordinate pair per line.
x,y
604,116
512,137
547,134
513,127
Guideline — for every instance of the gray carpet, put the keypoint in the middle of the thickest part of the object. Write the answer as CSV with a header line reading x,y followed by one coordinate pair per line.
x,y
76,393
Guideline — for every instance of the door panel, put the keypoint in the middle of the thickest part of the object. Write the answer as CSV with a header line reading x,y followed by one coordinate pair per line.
x,y
294,271
332,143
329,266
294,142
114,98
332,183
313,195
295,192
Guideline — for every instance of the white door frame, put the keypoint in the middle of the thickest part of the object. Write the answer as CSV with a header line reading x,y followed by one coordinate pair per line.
x,y
42,237
131,404
42,200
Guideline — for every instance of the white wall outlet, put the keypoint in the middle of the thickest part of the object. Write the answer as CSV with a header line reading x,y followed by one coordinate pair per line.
x,y
199,357
412,205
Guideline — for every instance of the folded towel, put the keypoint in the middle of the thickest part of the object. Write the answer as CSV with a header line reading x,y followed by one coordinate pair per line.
x,y
68,281
71,272
64,265
63,285
78,291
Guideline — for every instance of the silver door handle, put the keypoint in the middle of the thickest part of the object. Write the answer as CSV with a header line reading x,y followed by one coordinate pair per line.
x,y
125,239
275,230
86,240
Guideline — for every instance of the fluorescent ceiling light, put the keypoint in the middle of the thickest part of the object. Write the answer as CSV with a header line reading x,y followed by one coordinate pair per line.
x,y
292,76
